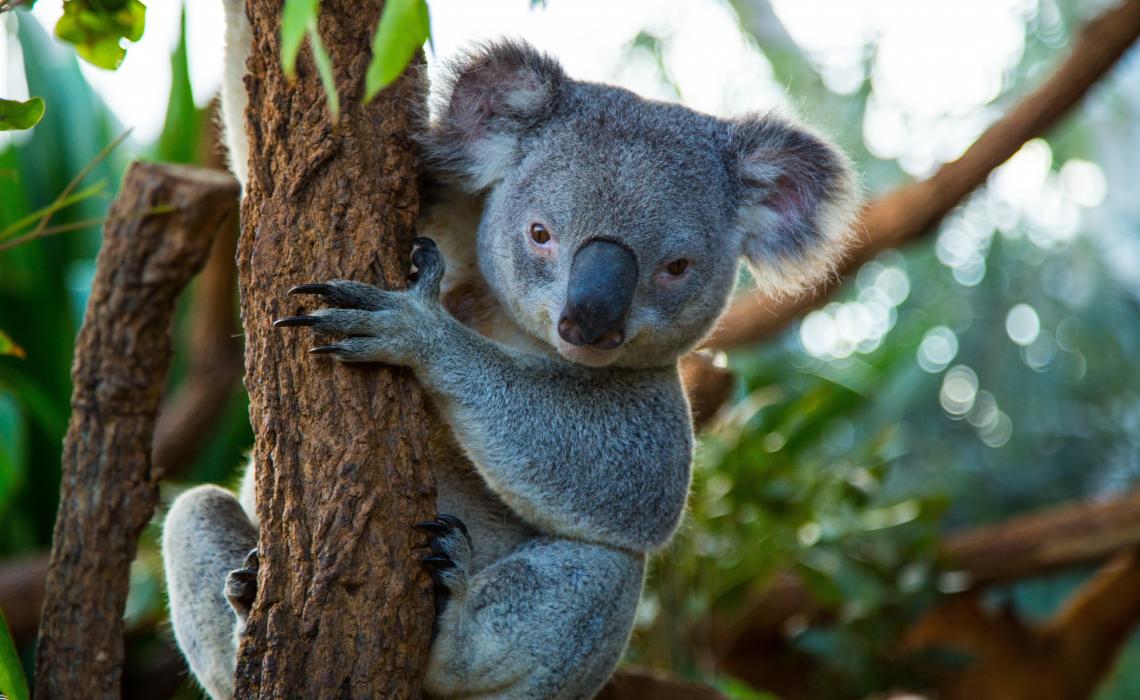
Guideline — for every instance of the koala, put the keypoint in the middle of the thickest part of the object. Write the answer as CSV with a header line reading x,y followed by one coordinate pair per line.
x,y
577,241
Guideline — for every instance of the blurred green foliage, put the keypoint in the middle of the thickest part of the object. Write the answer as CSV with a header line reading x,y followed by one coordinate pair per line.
x,y
841,467
97,28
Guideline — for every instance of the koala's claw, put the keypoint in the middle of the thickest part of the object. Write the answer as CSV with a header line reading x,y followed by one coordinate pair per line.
x,y
325,350
241,585
450,552
321,289
296,320
429,265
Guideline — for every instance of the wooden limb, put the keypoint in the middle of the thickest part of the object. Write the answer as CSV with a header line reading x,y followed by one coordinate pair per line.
x,y
1067,657
913,210
707,385
1029,545
1038,543
344,608
157,235
22,595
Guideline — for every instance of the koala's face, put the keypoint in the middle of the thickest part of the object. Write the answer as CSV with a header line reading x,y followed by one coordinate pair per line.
x,y
613,226
607,240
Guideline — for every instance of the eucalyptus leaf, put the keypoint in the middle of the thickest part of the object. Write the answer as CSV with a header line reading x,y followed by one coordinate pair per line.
x,y
13,685
404,27
324,69
15,116
97,27
296,17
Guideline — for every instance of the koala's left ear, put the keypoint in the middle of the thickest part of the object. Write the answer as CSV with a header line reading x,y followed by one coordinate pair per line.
x,y
797,202
493,97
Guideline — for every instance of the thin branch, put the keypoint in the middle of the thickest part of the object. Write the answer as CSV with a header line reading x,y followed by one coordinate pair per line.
x,y
108,489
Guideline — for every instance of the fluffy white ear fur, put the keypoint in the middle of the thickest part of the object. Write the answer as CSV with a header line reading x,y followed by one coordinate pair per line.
x,y
234,99
488,99
798,203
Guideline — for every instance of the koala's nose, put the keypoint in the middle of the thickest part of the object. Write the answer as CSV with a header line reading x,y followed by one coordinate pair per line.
x,y
603,278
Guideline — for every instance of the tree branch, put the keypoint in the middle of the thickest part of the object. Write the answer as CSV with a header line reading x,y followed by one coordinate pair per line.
x,y
109,490
913,210
1030,545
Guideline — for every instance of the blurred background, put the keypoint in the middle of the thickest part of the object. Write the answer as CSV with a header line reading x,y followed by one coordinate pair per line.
x,y
921,483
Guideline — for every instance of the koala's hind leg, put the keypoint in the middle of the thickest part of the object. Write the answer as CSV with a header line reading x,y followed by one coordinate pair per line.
x,y
206,536
549,620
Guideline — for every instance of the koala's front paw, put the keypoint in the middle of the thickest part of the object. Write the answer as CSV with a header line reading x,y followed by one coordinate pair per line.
x,y
450,555
241,586
384,326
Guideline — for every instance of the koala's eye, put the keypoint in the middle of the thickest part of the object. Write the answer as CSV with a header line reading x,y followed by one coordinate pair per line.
x,y
539,234
677,267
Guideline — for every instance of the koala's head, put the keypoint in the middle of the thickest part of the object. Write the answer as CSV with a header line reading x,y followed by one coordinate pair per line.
x,y
613,226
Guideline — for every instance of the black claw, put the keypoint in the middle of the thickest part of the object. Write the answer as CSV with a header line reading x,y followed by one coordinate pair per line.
x,y
324,350
296,321
452,521
433,526
251,561
438,562
310,289
424,241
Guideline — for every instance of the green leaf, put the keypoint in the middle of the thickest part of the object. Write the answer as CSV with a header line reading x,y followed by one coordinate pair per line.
x,y
15,115
96,28
12,682
296,17
404,27
9,347
324,68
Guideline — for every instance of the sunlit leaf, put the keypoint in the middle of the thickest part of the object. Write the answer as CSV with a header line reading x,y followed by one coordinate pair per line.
x,y
404,27
324,68
12,682
9,346
15,115
296,17
97,27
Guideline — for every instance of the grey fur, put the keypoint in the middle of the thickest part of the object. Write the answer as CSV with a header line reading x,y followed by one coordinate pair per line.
x,y
568,464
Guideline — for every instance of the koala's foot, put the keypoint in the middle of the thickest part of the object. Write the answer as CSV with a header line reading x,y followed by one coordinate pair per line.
x,y
450,556
382,325
241,585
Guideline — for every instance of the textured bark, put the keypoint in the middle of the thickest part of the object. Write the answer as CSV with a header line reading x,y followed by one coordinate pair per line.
x,y
344,608
157,236
913,210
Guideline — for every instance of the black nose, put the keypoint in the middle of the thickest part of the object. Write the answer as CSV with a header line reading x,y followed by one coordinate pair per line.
x,y
603,277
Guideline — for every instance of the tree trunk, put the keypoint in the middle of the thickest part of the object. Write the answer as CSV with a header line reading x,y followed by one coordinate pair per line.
x,y
157,236
343,608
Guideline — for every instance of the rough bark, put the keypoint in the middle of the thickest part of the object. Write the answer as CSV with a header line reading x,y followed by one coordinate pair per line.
x,y
913,210
344,608
157,235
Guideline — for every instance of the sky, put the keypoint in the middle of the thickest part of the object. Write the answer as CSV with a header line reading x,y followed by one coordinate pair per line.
x,y
937,64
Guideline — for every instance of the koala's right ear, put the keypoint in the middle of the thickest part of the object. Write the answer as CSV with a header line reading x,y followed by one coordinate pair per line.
x,y
492,98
